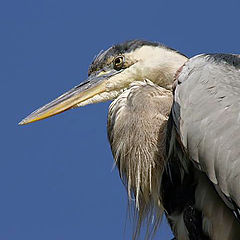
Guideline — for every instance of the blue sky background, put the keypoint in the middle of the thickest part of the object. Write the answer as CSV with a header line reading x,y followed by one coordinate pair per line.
x,y
56,181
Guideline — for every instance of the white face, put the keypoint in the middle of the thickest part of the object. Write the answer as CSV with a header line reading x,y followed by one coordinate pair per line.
x,y
157,64
111,75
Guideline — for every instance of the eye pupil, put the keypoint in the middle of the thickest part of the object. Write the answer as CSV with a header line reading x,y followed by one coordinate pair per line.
x,y
118,63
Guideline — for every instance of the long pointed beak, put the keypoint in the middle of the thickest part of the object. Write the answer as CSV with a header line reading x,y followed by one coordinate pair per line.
x,y
92,86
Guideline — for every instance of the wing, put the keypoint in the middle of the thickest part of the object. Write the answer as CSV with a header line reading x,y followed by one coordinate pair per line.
x,y
206,114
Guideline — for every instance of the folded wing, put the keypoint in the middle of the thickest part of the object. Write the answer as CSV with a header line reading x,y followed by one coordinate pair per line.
x,y
206,114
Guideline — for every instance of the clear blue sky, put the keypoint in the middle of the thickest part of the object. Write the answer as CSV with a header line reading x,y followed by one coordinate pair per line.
x,y
56,181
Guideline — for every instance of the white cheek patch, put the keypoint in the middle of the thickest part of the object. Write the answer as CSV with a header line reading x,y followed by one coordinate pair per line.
x,y
125,78
158,64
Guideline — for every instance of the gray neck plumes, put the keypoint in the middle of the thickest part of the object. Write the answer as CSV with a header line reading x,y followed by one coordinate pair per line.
x,y
136,128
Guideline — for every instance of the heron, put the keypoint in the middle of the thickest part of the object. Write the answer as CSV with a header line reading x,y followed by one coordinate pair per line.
x,y
173,126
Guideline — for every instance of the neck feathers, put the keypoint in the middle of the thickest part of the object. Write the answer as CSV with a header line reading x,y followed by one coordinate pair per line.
x,y
158,64
136,128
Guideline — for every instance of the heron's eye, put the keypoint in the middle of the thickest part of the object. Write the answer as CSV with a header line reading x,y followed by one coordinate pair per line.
x,y
118,63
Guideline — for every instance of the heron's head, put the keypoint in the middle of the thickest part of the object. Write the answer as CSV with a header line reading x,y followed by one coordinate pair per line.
x,y
112,71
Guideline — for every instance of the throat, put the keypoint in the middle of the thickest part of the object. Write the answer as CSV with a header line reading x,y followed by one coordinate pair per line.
x,y
137,122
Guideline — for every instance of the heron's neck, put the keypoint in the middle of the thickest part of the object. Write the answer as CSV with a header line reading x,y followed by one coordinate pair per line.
x,y
159,64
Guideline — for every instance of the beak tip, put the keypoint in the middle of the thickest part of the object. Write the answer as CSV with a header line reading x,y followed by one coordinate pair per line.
x,y
23,122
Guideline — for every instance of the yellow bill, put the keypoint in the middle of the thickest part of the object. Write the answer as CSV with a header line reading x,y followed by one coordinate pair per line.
x,y
94,85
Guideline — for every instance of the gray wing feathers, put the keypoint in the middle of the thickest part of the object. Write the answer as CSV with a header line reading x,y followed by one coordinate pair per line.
x,y
206,113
